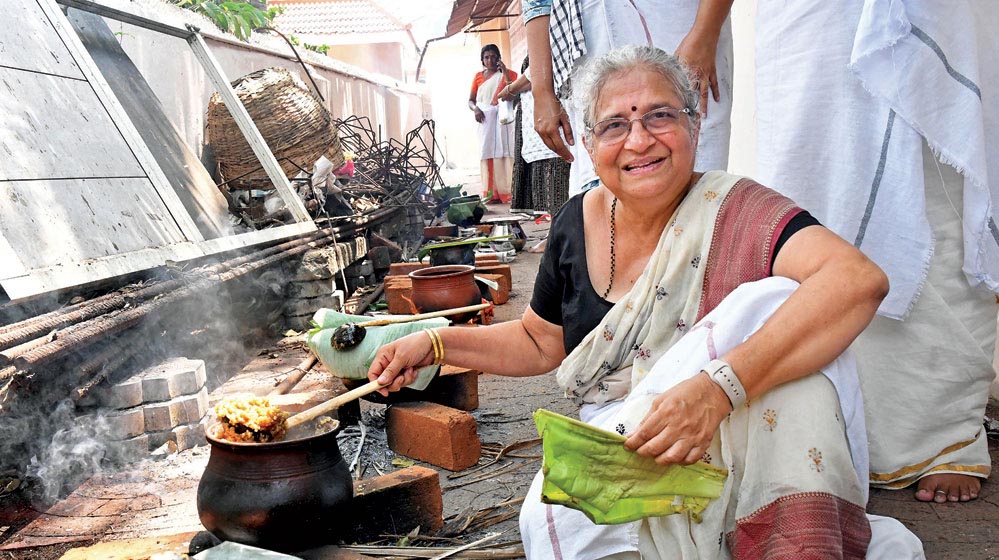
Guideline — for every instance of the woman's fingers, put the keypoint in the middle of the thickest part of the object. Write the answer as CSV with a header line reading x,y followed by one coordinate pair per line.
x,y
550,122
714,85
704,84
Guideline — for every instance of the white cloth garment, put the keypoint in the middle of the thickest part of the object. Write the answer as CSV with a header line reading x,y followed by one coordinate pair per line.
x,y
533,148
608,25
856,161
747,442
844,91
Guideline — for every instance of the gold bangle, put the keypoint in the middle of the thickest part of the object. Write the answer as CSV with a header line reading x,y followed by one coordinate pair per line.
x,y
437,344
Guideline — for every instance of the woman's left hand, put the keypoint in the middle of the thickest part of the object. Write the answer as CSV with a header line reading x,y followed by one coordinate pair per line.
x,y
682,422
506,95
698,53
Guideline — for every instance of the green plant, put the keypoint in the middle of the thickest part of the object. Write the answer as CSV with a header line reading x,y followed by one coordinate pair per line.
x,y
237,17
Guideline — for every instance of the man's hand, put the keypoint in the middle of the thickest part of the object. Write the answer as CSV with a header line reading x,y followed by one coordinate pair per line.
x,y
698,53
549,120
682,422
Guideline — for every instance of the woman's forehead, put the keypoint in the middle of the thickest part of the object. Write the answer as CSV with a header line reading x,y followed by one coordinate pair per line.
x,y
638,90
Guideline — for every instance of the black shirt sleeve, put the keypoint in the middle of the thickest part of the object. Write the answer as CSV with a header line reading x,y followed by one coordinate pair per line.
x,y
797,223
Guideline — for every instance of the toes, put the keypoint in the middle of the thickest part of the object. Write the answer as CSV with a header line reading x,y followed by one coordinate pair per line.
x,y
924,495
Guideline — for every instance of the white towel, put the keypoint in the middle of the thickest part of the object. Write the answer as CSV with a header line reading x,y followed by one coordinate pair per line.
x,y
934,63
844,91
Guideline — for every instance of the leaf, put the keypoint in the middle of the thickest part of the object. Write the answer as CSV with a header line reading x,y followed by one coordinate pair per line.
x,y
291,332
402,463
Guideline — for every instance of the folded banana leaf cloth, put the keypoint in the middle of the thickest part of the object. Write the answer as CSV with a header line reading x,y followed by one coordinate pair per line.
x,y
589,469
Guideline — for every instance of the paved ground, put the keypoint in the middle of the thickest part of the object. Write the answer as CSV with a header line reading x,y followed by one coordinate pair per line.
x,y
157,498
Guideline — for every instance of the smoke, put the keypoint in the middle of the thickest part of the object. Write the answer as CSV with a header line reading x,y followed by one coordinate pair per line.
x,y
74,452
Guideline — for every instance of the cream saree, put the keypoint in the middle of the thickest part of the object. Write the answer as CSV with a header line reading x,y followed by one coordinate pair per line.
x,y
794,476
495,142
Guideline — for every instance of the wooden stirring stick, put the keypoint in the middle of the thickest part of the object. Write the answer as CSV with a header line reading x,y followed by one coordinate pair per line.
x,y
333,404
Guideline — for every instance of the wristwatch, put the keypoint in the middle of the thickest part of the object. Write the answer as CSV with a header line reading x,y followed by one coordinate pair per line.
x,y
721,373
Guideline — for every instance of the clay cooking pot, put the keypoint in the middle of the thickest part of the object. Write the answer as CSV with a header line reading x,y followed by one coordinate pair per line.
x,y
285,496
445,287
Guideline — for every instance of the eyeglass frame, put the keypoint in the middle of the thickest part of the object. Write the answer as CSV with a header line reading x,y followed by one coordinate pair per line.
x,y
686,110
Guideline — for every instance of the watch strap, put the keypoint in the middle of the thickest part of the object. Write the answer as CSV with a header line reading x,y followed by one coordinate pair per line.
x,y
722,374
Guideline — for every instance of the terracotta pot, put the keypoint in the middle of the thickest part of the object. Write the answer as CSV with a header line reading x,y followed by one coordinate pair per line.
x,y
445,287
286,496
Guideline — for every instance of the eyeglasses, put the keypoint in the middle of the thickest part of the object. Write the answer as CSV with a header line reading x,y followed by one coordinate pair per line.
x,y
656,121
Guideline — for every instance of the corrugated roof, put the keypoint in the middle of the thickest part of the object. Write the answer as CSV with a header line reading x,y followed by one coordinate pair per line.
x,y
335,17
475,11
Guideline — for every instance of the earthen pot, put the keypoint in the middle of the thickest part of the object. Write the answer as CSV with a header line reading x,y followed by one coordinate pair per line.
x,y
445,287
285,496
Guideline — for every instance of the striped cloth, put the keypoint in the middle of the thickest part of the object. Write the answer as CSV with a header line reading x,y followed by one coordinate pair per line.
x,y
568,45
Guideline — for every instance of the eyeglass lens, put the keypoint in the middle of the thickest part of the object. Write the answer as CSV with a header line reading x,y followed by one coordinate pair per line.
x,y
656,121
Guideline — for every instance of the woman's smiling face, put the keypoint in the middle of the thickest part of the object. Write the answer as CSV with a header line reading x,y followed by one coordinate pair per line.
x,y
642,165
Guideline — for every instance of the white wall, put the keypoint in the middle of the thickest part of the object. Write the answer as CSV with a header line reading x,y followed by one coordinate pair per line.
x,y
449,66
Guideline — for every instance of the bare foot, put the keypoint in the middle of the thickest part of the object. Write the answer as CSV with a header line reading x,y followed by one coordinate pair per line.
x,y
540,247
948,487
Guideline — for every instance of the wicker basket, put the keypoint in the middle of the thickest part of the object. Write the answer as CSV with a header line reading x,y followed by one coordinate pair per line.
x,y
291,119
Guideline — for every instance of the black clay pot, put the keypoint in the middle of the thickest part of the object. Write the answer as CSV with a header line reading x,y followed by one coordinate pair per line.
x,y
284,496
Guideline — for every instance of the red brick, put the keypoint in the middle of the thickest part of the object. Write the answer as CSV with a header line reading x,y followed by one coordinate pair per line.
x,y
399,295
454,387
396,503
484,259
502,295
503,269
433,433
404,268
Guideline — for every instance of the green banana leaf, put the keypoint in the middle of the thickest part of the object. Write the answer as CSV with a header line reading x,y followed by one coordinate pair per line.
x,y
589,469
354,363
470,241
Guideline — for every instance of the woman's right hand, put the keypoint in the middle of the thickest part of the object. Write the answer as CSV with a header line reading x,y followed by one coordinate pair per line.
x,y
395,365
479,115
549,120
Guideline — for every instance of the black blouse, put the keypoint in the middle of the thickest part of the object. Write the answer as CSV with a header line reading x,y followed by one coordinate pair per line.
x,y
563,294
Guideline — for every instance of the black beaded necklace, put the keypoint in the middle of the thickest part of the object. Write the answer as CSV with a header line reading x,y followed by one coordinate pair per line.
x,y
612,256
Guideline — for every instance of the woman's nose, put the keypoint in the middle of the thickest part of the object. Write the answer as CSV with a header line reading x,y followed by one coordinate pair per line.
x,y
638,136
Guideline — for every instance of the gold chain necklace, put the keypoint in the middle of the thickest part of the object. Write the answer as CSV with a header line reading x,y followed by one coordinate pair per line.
x,y
612,256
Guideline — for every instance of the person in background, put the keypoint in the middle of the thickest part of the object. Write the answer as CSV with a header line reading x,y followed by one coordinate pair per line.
x,y
562,34
495,138
540,177
856,103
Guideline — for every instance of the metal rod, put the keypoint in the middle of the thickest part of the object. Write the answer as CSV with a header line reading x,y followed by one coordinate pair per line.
x,y
128,18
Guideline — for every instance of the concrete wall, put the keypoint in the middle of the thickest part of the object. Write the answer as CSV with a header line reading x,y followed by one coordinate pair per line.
x,y
381,58
183,88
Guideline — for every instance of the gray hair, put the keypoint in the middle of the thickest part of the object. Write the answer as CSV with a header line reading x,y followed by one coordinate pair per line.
x,y
589,81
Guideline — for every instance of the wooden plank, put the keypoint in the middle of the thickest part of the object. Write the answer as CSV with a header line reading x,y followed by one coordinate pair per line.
x,y
213,246
257,143
55,127
133,549
48,54
121,120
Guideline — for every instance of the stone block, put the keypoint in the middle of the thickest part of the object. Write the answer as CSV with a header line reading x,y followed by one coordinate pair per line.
x,y
311,289
122,424
172,378
189,435
439,435
395,251
122,395
498,296
380,257
396,503
128,450
181,410
309,306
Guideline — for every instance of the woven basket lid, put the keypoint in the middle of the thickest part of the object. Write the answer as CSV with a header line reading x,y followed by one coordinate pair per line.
x,y
293,122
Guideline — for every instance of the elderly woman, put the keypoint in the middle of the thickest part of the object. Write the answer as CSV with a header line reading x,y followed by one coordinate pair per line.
x,y
634,287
